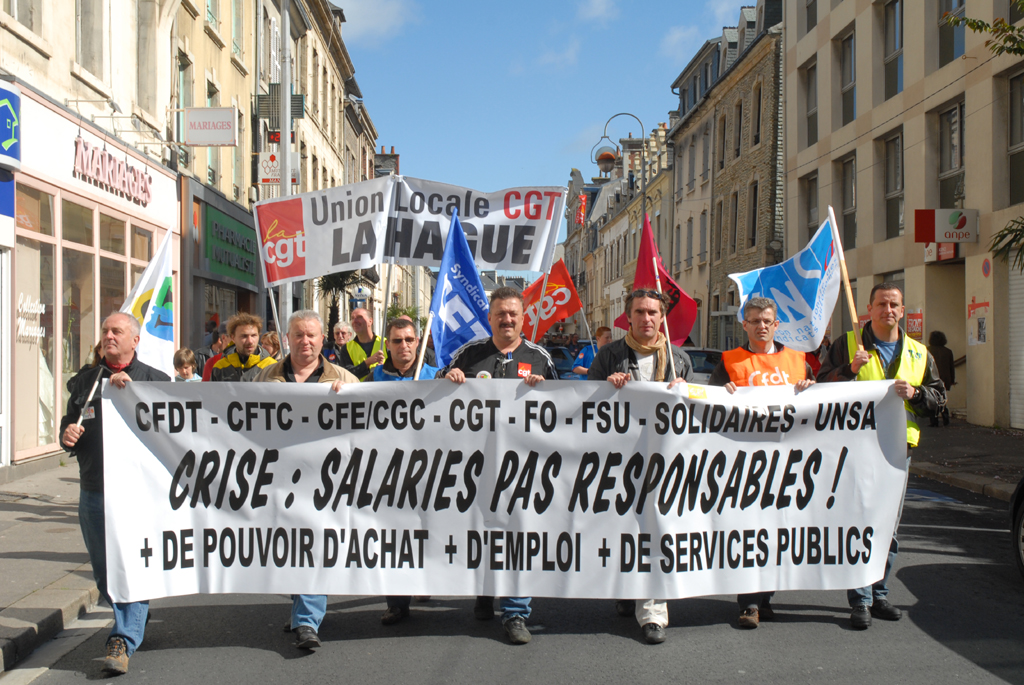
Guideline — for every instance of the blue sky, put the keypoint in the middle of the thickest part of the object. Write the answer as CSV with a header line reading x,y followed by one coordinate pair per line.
x,y
491,95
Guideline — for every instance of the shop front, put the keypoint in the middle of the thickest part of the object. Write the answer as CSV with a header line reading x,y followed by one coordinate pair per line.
x,y
221,262
89,215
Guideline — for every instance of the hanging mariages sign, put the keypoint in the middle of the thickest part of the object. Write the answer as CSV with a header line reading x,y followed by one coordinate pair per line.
x,y
404,220
493,488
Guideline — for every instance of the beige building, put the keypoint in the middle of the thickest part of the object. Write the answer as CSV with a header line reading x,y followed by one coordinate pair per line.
x,y
883,120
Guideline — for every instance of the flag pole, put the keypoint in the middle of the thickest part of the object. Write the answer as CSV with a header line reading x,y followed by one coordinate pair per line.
x,y
281,334
846,278
664,319
540,304
423,347
92,392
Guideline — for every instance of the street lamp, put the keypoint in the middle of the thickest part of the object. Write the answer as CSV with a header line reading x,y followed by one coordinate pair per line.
x,y
605,157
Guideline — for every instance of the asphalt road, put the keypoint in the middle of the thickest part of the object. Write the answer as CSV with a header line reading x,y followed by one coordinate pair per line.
x,y
962,597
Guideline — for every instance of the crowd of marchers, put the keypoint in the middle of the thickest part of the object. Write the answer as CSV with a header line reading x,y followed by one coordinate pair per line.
x,y
882,350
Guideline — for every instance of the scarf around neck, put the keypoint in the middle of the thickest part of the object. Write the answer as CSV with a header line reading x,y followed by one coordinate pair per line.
x,y
656,348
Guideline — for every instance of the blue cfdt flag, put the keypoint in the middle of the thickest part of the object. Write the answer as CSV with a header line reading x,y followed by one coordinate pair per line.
x,y
459,306
805,287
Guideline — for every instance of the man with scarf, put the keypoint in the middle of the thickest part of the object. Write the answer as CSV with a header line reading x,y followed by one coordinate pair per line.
x,y
641,356
120,337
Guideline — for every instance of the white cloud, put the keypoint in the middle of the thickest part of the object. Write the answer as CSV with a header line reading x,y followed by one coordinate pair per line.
x,y
680,43
597,10
561,59
372,22
725,12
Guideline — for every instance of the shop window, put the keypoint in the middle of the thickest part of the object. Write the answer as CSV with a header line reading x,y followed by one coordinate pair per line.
x,y
111,234
951,38
76,223
34,210
112,289
78,326
142,244
35,345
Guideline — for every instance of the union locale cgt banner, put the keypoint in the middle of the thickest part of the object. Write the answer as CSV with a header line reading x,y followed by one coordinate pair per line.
x,y
404,220
569,489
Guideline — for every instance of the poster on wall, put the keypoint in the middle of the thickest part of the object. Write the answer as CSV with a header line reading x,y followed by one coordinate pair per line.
x,y
977,322
915,324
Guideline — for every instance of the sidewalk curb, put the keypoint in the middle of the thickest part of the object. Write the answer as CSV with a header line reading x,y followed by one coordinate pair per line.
x,y
982,485
33,620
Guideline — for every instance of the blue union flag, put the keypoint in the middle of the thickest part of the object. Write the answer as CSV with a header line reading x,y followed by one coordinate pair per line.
x,y
460,304
805,288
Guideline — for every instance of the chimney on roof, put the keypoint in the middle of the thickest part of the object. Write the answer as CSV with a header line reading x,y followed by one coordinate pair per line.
x,y
392,149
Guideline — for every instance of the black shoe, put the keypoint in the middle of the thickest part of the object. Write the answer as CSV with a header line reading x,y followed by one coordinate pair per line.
x,y
654,634
484,608
116,661
860,617
516,630
306,638
885,611
393,615
766,613
625,607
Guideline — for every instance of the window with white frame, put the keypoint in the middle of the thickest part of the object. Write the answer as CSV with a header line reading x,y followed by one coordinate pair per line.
x,y
702,246
848,176
1017,139
893,48
706,152
894,186
848,79
691,160
951,38
213,13
28,13
811,78
689,242
811,204
237,28
951,156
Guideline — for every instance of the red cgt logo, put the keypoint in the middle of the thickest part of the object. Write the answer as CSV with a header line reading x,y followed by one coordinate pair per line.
x,y
283,239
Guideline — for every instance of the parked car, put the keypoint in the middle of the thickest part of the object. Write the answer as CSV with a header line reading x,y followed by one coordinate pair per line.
x,y
704,362
563,360
1017,526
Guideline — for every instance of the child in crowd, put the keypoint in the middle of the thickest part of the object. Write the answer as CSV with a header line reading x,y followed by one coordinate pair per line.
x,y
185,366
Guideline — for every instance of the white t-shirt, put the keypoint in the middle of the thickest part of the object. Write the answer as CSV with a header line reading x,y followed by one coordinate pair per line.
x,y
646,363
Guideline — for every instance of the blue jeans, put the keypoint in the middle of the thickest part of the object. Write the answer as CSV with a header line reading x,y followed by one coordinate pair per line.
x,y
308,610
869,594
514,606
130,617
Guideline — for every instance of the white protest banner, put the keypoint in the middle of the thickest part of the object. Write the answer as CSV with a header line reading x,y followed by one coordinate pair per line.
x,y
405,220
493,488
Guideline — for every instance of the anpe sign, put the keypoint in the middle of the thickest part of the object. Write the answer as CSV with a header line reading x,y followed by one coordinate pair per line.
x,y
231,247
211,126
945,225
10,130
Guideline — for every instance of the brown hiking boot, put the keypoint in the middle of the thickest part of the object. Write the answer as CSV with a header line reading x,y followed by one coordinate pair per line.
x,y
117,656
749,618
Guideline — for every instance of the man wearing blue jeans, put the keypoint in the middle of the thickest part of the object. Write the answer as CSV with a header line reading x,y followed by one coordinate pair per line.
x,y
886,353
305,364
504,355
120,337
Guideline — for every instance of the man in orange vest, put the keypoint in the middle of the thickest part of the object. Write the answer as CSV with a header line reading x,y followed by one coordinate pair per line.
x,y
760,362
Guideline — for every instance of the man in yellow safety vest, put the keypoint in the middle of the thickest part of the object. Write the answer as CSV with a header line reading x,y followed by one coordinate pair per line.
x,y
365,350
888,354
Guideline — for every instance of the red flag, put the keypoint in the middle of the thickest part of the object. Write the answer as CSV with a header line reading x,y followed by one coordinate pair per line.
x,y
560,301
682,310
581,210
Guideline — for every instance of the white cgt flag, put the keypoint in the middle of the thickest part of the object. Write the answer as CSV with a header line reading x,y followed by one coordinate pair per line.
x,y
151,302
